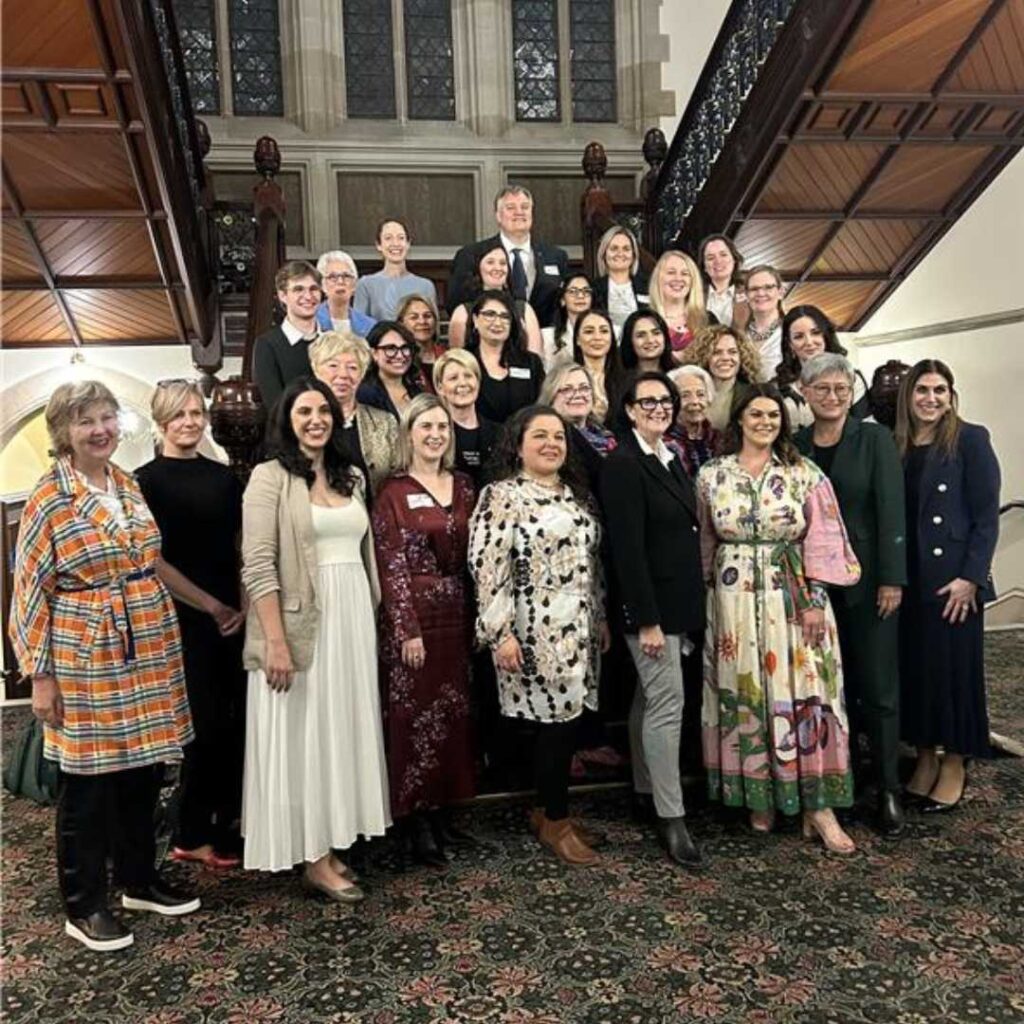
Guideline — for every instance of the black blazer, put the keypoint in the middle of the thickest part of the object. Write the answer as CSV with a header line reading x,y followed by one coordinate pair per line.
x,y
500,398
958,515
654,538
276,363
867,477
372,392
550,262
640,285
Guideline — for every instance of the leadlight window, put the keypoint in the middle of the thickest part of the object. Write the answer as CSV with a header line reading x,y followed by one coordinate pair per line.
x,y
592,59
369,58
255,57
198,34
429,65
535,60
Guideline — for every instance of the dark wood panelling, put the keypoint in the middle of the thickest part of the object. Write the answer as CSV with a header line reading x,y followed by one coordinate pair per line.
x,y
842,300
784,244
868,246
924,177
54,35
903,46
19,261
82,248
106,314
817,176
31,316
995,63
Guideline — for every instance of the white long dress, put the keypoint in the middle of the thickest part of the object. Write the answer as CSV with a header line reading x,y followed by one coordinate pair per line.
x,y
315,773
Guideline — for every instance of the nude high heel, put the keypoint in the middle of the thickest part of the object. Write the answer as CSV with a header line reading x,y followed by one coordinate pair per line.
x,y
830,832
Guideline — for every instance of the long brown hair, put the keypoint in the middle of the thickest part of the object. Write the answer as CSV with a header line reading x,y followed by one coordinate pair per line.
x,y
783,445
947,433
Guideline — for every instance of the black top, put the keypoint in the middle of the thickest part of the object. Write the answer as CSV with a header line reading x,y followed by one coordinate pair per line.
x,y
500,398
913,470
473,448
276,363
353,448
372,392
197,504
824,456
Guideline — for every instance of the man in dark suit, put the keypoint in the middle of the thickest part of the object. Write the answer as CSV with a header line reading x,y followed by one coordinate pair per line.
x,y
282,353
535,269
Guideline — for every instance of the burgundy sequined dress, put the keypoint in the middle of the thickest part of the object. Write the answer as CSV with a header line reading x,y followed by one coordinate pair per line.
x,y
421,556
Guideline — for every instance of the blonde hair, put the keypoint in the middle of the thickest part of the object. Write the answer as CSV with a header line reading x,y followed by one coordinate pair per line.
x,y
422,403
703,345
695,309
171,396
332,344
67,403
554,380
606,240
458,356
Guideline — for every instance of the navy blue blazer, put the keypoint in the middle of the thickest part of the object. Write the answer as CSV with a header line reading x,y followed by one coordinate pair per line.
x,y
958,515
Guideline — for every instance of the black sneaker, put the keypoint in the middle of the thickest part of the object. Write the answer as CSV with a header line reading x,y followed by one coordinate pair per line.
x,y
101,931
161,898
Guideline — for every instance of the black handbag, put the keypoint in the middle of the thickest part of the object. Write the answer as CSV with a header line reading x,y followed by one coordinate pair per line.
x,y
27,773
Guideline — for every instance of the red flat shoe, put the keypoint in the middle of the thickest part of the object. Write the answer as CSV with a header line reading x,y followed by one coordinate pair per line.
x,y
217,861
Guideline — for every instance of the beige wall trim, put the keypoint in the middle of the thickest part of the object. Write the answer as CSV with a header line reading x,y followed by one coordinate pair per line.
x,y
967,324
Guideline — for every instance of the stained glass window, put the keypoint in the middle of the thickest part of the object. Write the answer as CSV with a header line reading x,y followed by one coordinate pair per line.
x,y
429,68
592,59
199,45
256,57
535,59
369,58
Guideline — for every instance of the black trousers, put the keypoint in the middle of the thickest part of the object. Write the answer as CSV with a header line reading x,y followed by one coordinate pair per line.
x,y
552,758
101,816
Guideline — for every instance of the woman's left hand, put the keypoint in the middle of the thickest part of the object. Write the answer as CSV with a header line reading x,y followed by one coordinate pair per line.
x,y
606,637
961,600
414,654
812,621
888,600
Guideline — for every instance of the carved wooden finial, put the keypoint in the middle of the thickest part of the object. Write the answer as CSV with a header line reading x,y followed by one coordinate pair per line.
x,y
595,163
655,148
267,157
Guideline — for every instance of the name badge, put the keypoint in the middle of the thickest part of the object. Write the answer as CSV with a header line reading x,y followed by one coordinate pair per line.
x,y
645,299
551,268
519,372
419,501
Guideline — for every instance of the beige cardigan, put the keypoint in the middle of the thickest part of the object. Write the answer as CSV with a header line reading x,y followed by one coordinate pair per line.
x,y
279,554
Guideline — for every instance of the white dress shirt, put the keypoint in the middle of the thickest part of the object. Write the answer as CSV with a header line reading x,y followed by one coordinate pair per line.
x,y
662,452
525,255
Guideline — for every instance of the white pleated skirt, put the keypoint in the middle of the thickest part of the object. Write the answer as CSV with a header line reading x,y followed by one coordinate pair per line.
x,y
315,772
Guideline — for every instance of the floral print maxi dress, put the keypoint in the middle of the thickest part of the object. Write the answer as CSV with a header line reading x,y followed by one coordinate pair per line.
x,y
774,723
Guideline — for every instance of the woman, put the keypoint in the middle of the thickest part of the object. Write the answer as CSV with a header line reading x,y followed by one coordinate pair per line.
x,y
775,732
569,390
806,333
197,505
575,297
621,286
378,295
863,466
419,315
393,379
94,628
370,435
692,437
457,383
534,555
650,508
593,346
677,293
644,345
338,276
730,359
722,263
764,328
510,376
492,275
952,485
421,528
315,775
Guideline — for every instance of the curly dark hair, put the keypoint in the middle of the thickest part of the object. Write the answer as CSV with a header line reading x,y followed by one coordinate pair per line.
x,y
411,377
505,461
514,342
284,445
788,370
742,396
627,353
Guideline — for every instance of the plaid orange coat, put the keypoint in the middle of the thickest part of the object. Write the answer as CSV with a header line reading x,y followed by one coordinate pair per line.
x,y
89,610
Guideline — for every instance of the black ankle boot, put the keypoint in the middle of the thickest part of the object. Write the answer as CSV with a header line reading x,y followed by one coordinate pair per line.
x,y
677,842
889,817
424,846
448,834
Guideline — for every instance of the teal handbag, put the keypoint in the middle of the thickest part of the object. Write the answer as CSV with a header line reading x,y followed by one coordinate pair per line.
x,y
27,773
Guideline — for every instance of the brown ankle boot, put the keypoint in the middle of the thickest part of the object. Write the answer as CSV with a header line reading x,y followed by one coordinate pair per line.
x,y
560,838
587,835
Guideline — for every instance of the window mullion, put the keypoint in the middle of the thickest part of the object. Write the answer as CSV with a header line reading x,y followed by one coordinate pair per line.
x,y
227,83
564,61
398,52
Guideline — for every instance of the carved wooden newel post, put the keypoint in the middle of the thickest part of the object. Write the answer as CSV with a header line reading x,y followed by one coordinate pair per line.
x,y
655,149
595,205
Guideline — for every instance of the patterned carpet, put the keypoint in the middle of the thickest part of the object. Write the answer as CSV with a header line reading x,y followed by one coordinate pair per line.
x,y
927,929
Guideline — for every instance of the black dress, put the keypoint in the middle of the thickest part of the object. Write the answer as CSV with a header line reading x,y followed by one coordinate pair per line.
x,y
197,504
473,449
500,398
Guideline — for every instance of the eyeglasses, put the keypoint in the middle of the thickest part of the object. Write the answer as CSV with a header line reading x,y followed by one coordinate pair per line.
x,y
579,293
571,390
298,289
824,390
493,315
650,404
338,278
395,351
762,288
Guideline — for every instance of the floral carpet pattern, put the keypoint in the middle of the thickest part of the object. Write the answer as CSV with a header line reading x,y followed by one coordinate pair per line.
x,y
922,930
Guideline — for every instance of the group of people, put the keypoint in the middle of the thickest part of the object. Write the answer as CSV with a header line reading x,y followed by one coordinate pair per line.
x,y
530,518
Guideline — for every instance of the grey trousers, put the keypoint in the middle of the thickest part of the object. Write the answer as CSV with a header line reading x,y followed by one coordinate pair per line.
x,y
656,723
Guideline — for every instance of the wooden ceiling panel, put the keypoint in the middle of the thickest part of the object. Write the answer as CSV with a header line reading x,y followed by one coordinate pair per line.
x,y
31,316
818,176
18,257
995,64
869,246
905,47
66,171
60,36
109,314
924,177
91,248
785,244
841,300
